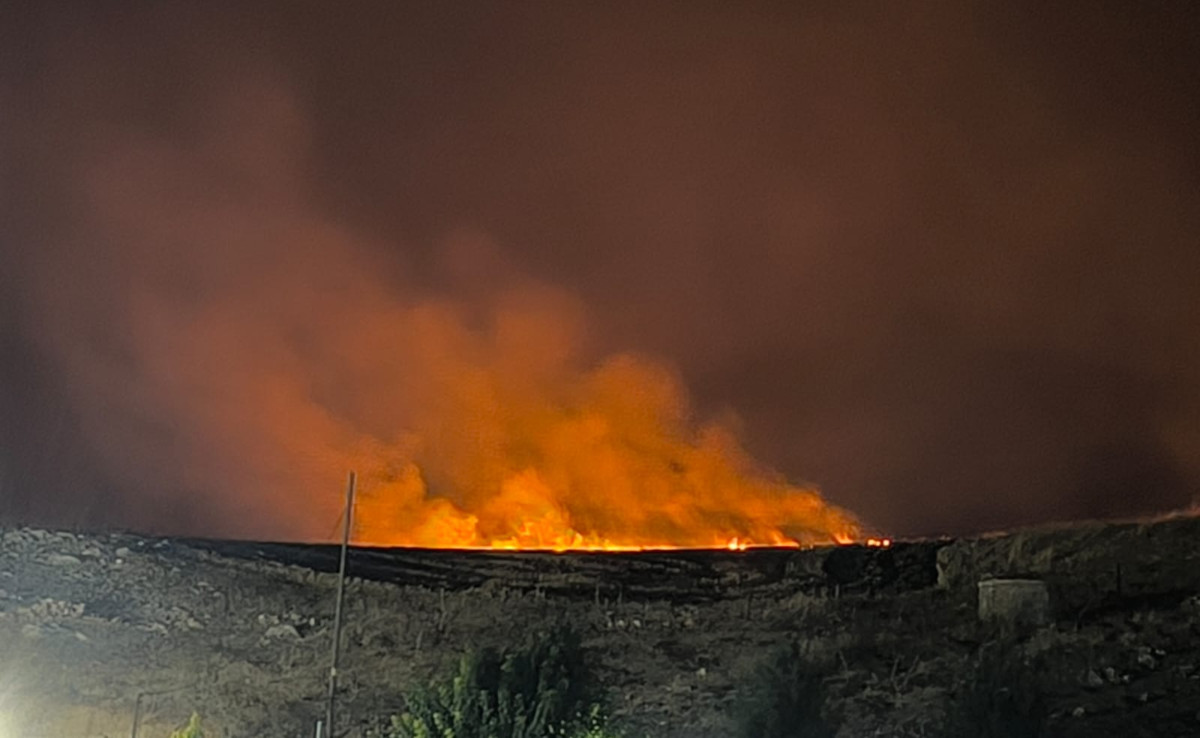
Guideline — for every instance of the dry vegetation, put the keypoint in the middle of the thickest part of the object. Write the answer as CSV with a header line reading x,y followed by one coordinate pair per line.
x,y
694,645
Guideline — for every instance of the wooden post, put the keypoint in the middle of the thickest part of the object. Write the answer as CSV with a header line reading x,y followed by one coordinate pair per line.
x,y
337,612
137,714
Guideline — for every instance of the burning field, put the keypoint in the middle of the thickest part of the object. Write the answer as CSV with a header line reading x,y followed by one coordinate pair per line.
x,y
619,470
602,459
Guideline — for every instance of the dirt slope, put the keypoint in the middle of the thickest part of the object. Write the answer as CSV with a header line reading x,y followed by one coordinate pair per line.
x,y
96,628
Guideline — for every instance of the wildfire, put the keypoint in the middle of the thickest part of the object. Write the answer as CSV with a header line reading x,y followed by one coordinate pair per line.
x,y
528,515
450,528
488,422
607,459
613,466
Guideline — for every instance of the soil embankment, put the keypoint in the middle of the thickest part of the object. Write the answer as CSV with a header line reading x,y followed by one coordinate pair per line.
x,y
96,628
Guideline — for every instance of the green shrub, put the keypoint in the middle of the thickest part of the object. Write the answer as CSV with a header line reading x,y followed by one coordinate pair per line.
x,y
785,698
191,730
1001,697
542,690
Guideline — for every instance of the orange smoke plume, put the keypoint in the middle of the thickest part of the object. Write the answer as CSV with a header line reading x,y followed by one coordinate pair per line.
x,y
511,441
614,464
244,353
484,432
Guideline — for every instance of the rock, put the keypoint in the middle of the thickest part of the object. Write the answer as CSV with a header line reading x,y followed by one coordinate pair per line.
x,y
1014,601
177,617
1078,712
56,559
50,609
1093,679
122,552
283,630
1145,658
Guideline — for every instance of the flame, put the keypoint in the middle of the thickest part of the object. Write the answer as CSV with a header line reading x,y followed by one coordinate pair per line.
x,y
613,465
527,514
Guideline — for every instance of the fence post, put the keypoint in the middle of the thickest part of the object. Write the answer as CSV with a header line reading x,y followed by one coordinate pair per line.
x,y
337,612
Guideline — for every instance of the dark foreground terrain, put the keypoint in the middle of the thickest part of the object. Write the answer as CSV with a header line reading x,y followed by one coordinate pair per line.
x,y
94,628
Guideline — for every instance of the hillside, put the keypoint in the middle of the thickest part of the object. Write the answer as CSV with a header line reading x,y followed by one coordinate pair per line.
x,y
96,627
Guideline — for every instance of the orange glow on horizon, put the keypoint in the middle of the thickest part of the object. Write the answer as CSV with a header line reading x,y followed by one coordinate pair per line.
x,y
503,437
530,515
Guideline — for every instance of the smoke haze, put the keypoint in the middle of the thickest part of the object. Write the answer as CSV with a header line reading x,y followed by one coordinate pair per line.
x,y
940,260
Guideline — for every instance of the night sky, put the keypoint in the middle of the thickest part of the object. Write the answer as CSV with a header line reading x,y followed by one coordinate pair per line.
x,y
941,260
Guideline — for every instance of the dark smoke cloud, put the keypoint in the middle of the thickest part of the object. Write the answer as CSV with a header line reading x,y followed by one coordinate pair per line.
x,y
939,259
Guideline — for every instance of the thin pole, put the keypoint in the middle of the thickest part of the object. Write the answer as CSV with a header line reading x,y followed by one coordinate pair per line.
x,y
337,613
137,714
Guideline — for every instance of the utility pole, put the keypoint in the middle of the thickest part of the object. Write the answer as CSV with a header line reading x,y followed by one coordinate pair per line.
x,y
327,728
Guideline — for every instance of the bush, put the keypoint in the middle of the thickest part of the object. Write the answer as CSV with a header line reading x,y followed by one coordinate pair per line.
x,y
191,730
542,690
1001,698
785,698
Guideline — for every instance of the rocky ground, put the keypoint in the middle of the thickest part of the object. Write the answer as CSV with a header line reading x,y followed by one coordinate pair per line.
x,y
95,629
